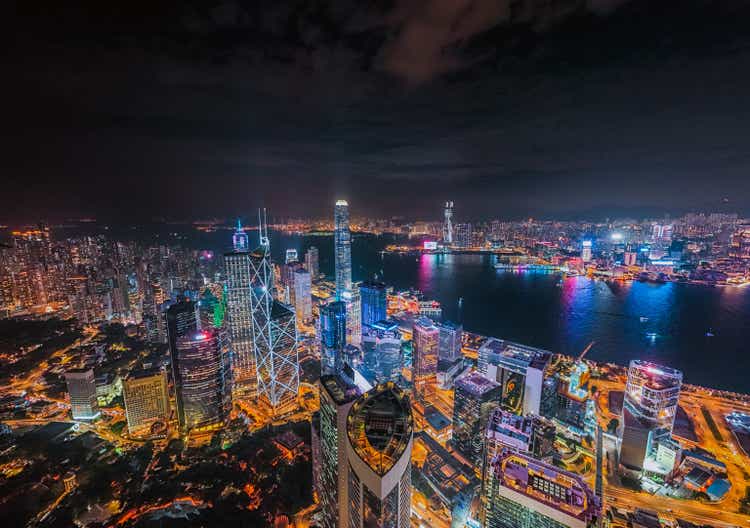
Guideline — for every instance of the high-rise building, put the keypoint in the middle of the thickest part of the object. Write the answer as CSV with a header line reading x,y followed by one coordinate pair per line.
x,y
337,395
291,256
462,235
342,246
652,395
448,223
82,390
302,288
274,336
380,429
520,371
312,262
202,365
182,318
451,335
146,401
586,251
239,321
475,397
374,302
531,434
388,350
353,302
425,358
521,492
332,337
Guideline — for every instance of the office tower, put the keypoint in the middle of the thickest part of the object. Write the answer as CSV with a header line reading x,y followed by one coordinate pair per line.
x,y
519,369
82,391
451,335
388,350
630,258
332,337
316,455
353,302
586,251
312,262
203,393
146,401
302,287
448,223
291,256
374,302
182,318
521,492
379,430
274,336
531,434
462,235
240,241
475,397
337,394
425,358
652,395
342,246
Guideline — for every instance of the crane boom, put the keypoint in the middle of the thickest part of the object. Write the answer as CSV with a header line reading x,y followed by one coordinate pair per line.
x,y
585,350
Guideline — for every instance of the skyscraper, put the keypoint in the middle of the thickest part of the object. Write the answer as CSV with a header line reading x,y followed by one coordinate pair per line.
x,y
379,429
342,246
337,394
312,262
291,256
274,335
521,492
332,337
146,400
519,369
239,317
182,318
448,223
586,251
82,390
353,302
652,396
203,394
302,287
451,335
374,302
425,358
475,397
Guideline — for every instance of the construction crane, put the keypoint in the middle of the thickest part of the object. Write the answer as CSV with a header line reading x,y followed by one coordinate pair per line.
x,y
585,350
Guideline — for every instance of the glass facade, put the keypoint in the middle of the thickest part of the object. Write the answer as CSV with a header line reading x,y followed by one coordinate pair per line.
x,y
332,336
240,322
475,397
425,358
342,244
451,335
374,302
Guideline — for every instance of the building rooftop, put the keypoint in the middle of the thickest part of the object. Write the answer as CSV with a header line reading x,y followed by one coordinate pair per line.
x,y
546,484
340,389
380,426
475,384
436,419
517,355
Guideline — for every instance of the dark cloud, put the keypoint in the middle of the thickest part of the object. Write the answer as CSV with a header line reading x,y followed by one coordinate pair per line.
x,y
511,108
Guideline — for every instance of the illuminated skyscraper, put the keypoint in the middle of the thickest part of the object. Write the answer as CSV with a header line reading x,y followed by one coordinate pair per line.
x,y
379,429
374,302
586,251
312,262
652,396
182,318
521,492
425,358
353,302
451,335
82,391
302,297
342,246
332,337
448,223
274,335
291,256
239,320
475,397
337,394
203,382
146,401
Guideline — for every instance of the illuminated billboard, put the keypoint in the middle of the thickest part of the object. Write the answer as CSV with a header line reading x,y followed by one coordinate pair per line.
x,y
430,245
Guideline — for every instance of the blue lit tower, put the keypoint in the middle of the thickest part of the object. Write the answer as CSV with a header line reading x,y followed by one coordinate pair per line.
x,y
342,244
239,318
332,337
274,334
373,302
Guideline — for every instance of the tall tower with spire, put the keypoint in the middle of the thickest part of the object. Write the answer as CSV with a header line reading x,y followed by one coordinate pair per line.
x,y
239,316
274,333
448,223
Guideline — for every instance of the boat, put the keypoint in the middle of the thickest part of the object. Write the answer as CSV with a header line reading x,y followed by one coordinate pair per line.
x,y
709,333
652,335
644,319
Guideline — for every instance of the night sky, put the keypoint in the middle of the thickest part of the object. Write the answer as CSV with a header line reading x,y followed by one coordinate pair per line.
x,y
511,108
